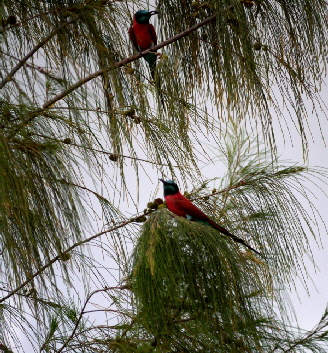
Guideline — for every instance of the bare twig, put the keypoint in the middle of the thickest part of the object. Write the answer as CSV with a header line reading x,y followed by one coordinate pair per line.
x,y
81,315
34,67
121,63
19,24
56,258
122,155
33,51
125,61
104,152
319,331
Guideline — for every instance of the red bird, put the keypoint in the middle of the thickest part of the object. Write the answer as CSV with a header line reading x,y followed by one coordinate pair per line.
x,y
183,207
143,36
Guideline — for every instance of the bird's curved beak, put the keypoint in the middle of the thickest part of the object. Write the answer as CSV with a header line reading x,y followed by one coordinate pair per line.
x,y
151,13
161,180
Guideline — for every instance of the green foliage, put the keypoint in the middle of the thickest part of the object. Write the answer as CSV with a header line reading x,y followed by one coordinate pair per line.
x,y
33,228
219,62
187,271
186,274
72,120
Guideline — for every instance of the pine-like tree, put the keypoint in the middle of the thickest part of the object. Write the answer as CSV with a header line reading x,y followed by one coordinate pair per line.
x,y
79,112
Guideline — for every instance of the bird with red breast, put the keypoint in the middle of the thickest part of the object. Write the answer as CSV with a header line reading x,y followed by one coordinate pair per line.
x,y
143,36
181,206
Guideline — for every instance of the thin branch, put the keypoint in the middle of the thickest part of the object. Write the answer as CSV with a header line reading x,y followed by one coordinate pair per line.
x,y
19,24
125,61
81,315
33,51
52,261
313,334
22,285
55,11
103,310
239,184
104,152
38,68
122,155
84,188
121,63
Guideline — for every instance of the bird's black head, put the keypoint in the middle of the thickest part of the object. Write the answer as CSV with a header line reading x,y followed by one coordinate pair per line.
x,y
143,16
170,187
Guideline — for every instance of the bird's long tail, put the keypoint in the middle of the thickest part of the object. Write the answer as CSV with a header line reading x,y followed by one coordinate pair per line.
x,y
234,237
151,59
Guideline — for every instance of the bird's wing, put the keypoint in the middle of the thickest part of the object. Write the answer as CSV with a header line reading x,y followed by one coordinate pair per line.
x,y
198,215
133,38
153,34
190,209
194,212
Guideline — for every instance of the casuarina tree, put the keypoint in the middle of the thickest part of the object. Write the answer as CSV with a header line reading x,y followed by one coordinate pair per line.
x,y
92,258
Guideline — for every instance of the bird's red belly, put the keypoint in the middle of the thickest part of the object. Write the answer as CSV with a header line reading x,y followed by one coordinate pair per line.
x,y
171,206
143,36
